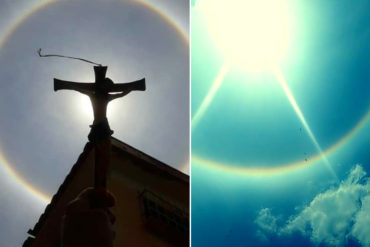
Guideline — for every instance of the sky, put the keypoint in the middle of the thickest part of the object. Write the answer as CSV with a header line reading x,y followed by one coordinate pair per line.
x,y
280,102
43,132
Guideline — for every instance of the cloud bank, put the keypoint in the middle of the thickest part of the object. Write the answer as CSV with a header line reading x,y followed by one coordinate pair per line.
x,y
332,217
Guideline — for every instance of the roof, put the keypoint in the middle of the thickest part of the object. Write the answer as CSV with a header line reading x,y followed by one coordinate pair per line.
x,y
151,163
154,162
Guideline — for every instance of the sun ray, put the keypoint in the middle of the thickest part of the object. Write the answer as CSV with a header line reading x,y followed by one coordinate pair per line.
x,y
211,94
281,80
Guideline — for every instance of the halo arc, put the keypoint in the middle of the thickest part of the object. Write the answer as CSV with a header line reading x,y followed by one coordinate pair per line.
x,y
8,33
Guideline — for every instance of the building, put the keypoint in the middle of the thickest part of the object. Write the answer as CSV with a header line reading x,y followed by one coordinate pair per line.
x,y
152,200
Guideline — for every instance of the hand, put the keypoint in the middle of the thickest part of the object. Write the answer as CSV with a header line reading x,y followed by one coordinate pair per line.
x,y
88,221
118,95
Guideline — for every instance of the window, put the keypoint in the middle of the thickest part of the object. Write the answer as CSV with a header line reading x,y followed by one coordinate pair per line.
x,y
158,209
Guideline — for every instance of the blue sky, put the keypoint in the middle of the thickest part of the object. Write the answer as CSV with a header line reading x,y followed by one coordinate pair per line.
x,y
258,178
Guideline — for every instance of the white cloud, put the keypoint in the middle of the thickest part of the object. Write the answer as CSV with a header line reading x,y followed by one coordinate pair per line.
x,y
332,217
267,223
361,229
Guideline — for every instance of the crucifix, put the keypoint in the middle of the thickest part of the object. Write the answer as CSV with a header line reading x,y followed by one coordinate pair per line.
x,y
101,92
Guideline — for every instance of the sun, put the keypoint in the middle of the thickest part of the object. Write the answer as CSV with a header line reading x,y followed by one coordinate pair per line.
x,y
252,34
84,106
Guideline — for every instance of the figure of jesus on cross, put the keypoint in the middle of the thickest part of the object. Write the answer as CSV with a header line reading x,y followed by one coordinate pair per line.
x,y
101,92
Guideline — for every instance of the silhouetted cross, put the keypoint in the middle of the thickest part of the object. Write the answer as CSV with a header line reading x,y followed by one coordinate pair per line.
x,y
100,95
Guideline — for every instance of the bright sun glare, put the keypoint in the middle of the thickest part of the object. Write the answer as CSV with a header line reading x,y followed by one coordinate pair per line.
x,y
85,110
252,34
84,106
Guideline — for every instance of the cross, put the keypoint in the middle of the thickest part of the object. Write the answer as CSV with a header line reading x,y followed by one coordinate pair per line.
x,y
101,92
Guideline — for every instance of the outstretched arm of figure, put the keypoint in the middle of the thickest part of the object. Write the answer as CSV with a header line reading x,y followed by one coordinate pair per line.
x,y
118,95
86,92
85,88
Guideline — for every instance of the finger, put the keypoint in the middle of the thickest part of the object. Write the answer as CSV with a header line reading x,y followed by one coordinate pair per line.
x,y
102,198
110,215
77,205
91,228
91,198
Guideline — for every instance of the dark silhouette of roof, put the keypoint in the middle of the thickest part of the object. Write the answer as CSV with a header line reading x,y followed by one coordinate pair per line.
x,y
150,164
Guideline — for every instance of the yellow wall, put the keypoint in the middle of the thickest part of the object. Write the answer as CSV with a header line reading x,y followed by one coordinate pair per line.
x,y
127,180
128,177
